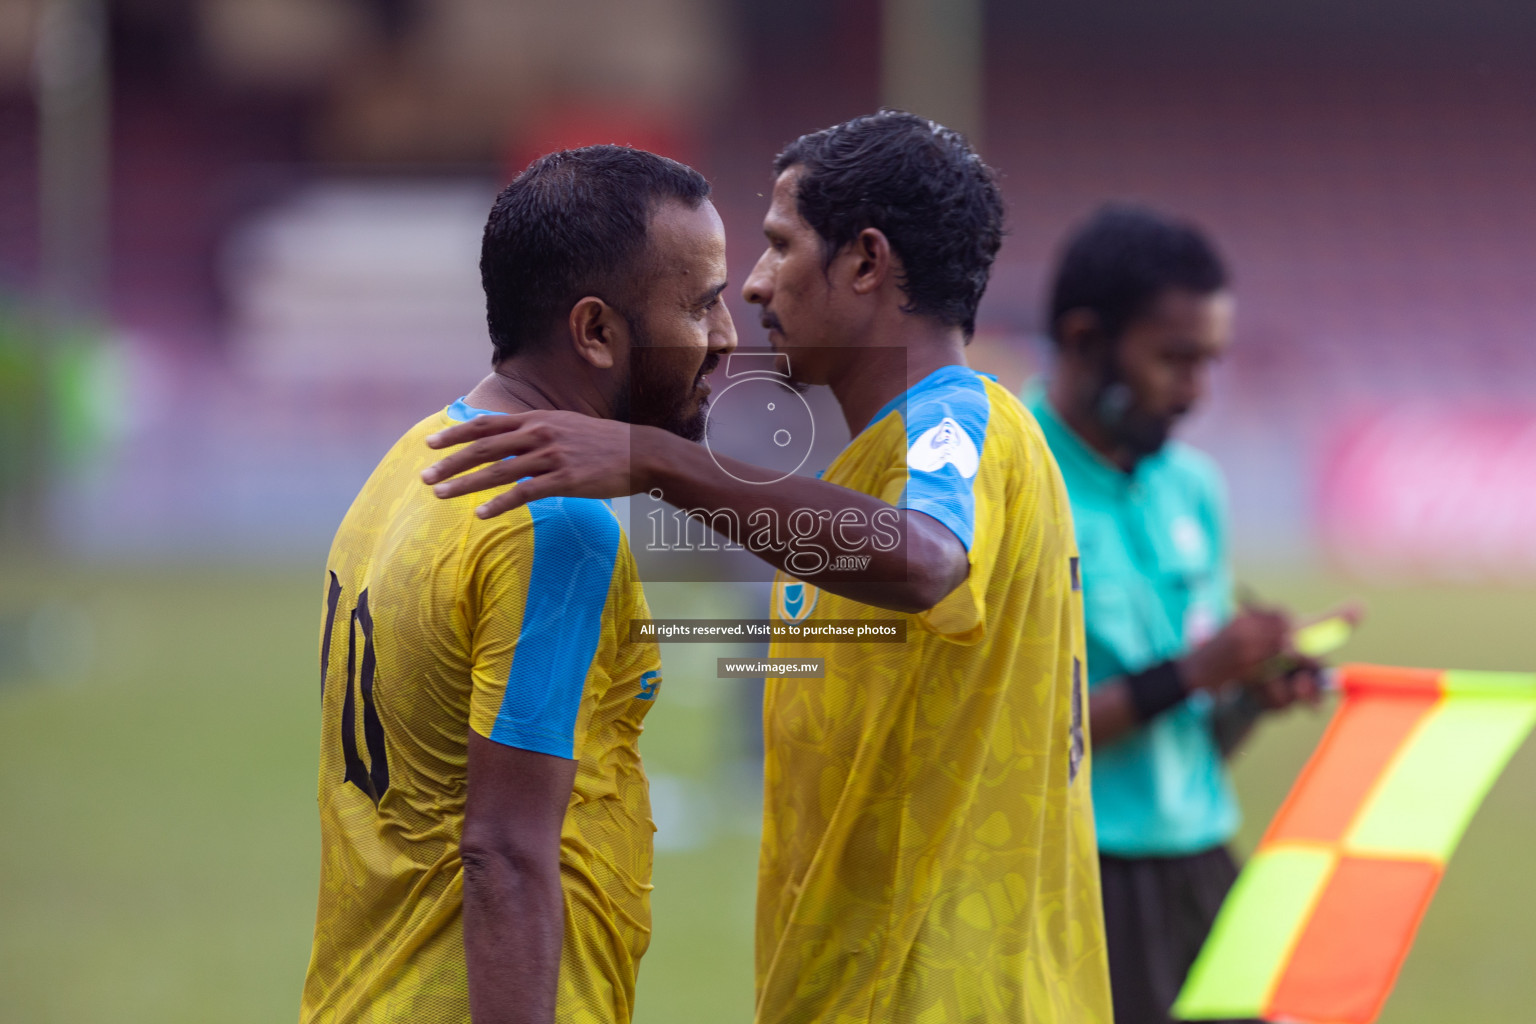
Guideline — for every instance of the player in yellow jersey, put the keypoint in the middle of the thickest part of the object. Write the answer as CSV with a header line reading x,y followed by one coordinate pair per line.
x,y
485,825
928,848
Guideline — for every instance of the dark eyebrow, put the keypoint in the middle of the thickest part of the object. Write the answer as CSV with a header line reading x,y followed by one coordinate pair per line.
x,y
712,294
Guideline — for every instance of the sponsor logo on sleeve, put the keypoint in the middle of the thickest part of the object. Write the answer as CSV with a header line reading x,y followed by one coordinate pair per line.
x,y
946,444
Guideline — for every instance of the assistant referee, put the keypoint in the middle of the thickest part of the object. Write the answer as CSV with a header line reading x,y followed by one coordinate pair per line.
x,y
1140,311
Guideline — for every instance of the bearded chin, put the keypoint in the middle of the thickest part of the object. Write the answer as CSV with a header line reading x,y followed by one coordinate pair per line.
x,y
669,415
1143,435
1140,434
691,428
646,400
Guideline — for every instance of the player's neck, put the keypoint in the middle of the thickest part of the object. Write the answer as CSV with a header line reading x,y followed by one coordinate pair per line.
x,y
879,373
516,386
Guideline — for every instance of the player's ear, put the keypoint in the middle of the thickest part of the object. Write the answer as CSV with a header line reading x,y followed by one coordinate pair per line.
x,y
872,260
1079,333
598,333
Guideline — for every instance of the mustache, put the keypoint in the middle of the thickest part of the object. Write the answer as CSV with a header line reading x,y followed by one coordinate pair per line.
x,y
771,322
710,362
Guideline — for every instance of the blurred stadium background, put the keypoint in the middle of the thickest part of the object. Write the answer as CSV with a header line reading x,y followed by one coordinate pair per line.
x,y
238,245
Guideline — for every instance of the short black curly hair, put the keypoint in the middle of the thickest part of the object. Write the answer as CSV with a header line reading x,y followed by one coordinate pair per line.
x,y
1123,258
923,187
572,224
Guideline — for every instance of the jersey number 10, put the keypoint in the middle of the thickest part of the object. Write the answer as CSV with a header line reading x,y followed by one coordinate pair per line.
x,y
373,777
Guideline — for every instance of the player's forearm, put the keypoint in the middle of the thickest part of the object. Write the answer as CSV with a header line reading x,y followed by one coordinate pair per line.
x,y
800,524
514,923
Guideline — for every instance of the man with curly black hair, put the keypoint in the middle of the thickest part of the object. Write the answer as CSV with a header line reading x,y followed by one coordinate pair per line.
x,y
928,848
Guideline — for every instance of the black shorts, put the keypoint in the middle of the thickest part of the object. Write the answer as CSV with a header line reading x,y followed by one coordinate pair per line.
x,y
1157,913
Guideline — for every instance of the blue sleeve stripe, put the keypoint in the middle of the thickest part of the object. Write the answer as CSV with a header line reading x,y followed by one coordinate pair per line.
x,y
575,548
464,412
945,493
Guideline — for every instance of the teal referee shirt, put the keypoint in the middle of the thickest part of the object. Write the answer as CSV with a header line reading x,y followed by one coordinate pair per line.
x,y
1156,582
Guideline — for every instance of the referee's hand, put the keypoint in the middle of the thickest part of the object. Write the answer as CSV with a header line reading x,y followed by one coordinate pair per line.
x,y
1239,651
1302,683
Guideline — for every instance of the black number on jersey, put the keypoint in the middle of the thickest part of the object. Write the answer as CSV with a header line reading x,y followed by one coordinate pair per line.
x,y
332,598
1076,751
371,777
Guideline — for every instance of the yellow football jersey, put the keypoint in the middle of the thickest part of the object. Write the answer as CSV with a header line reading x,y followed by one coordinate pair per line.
x,y
435,623
928,849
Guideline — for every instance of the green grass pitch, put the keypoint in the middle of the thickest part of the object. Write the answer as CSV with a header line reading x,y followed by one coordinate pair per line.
x,y
158,837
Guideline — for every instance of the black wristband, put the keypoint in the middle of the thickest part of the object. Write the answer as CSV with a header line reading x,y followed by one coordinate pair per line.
x,y
1156,689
